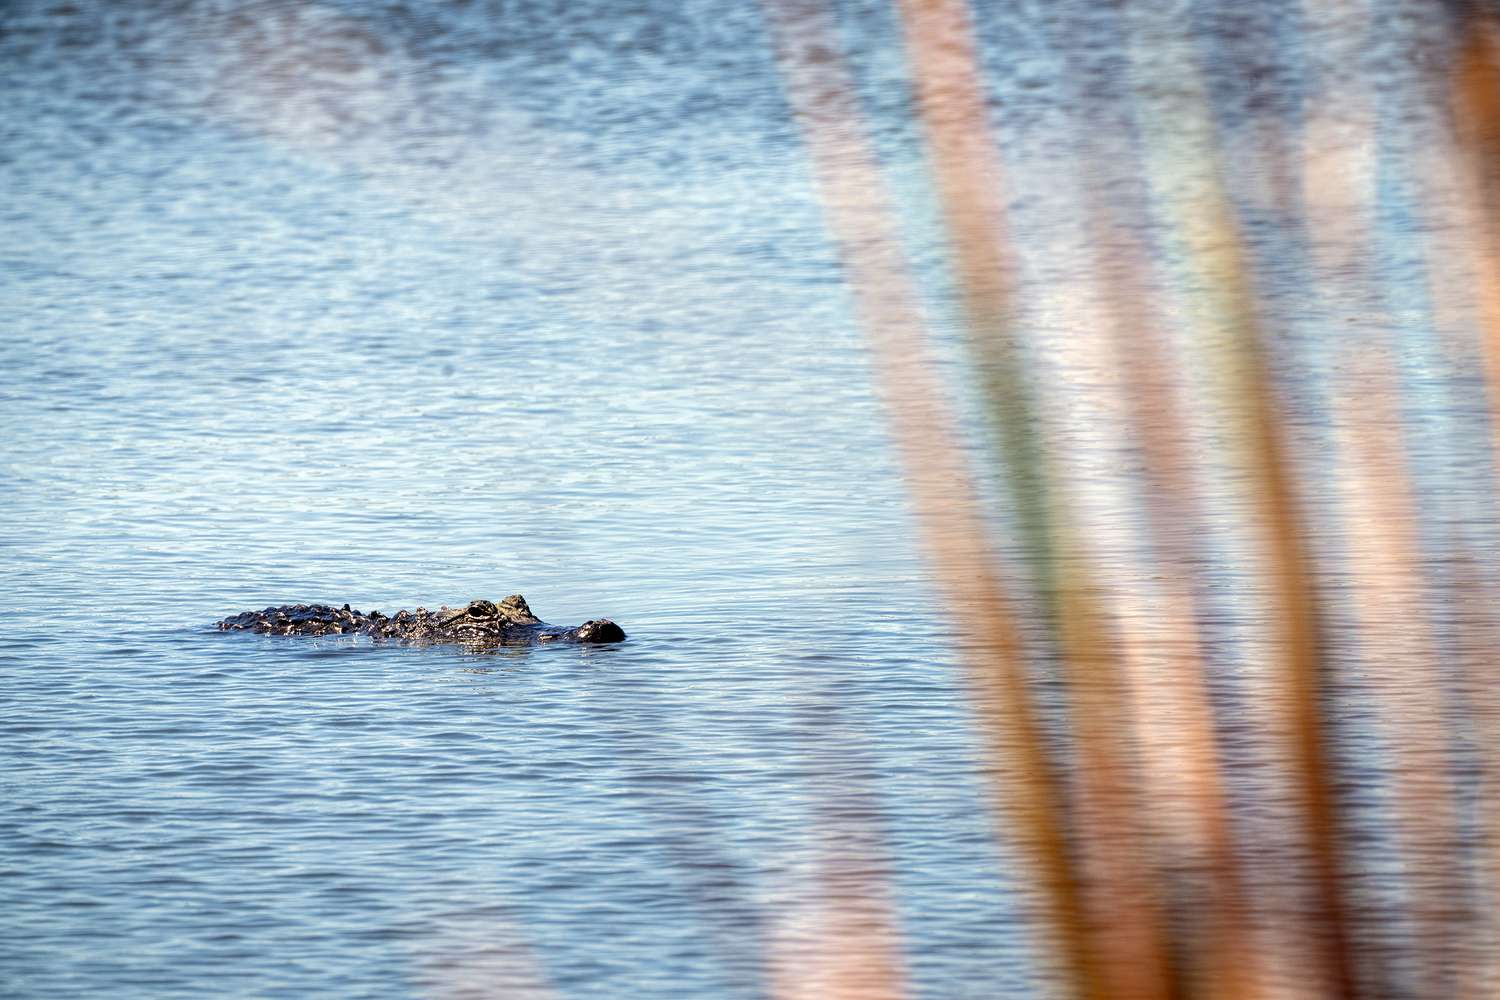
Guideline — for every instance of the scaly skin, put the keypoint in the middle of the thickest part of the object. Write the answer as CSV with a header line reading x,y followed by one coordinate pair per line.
x,y
482,623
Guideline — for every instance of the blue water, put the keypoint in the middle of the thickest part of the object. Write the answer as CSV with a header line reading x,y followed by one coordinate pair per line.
x,y
405,305
406,308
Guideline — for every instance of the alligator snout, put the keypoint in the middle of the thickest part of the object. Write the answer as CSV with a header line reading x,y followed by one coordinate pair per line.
x,y
597,630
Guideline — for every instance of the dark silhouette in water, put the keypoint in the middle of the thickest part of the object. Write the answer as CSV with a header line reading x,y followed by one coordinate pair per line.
x,y
479,623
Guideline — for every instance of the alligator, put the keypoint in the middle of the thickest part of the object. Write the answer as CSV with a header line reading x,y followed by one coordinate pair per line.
x,y
480,623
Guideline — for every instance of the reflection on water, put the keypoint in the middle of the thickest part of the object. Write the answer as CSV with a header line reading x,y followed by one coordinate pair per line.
x,y
404,305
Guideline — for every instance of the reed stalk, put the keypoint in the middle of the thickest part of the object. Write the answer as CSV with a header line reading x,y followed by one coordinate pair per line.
x,y
1117,904
1399,660
861,219
1180,136
1183,787
1475,102
1126,953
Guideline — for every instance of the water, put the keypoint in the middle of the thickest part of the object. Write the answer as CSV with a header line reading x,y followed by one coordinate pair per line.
x,y
403,306
496,320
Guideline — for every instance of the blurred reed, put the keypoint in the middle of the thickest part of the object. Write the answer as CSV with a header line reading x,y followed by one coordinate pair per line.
x,y
1475,101
859,213
840,939
1128,808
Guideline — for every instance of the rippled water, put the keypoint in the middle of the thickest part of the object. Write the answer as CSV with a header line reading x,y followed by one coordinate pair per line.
x,y
402,306
342,304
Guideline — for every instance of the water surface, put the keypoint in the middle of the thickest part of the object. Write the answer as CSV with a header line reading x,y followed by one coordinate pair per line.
x,y
407,306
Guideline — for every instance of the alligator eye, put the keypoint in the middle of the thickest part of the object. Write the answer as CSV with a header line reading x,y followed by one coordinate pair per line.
x,y
481,609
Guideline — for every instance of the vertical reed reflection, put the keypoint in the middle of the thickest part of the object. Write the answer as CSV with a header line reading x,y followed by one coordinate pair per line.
x,y
1133,817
